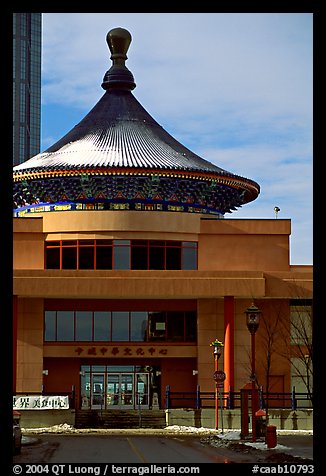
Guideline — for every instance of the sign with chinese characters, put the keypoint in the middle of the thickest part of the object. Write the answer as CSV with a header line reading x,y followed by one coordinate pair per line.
x,y
120,350
40,402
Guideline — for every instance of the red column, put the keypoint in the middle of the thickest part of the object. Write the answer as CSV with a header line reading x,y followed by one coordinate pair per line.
x,y
229,343
14,343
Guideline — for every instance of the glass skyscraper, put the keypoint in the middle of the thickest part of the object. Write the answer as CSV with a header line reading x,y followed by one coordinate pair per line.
x,y
27,30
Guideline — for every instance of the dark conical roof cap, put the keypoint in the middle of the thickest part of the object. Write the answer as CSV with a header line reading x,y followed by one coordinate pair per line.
x,y
118,76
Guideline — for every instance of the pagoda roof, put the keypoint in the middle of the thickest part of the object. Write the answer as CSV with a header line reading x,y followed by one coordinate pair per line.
x,y
119,138
118,132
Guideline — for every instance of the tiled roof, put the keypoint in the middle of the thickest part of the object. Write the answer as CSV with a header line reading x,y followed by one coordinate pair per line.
x,y
119,138
118,132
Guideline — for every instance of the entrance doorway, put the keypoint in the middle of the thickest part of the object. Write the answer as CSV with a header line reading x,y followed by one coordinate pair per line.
x,y
97,390
110,389
128,390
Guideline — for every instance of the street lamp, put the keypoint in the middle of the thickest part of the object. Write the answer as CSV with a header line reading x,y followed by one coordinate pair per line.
x,y
217,354
252,319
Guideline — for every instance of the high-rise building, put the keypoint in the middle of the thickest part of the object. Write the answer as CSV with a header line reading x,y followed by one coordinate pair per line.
x,y
27,28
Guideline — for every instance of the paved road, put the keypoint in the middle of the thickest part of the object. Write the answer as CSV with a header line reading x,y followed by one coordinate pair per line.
x,y
133,449
125,449
146,449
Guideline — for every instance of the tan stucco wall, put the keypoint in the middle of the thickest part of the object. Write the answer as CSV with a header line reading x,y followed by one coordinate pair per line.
x,y
233,244
136,284
30,345
122,224
28,245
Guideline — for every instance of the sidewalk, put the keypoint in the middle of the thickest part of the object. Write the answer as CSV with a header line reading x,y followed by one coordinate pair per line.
x,y
295,443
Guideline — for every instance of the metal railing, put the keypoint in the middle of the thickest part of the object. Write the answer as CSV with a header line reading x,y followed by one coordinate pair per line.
x,y
232,400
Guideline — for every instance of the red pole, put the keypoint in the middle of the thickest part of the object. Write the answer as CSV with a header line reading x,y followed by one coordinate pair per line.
x,y
216,391
229,343
253,386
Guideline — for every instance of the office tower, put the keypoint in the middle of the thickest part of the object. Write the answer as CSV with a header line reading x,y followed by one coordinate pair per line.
x,y
27,29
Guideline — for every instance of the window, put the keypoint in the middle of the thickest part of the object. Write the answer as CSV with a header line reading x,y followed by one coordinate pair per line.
x,y
50,326
138,329
120,326
139,254
173,255
121,254
156,254
157,325
84,326
69,254
102,326
52,255
86,254
189,255
103,254
176,326
301,325
115,326
65,326
191,326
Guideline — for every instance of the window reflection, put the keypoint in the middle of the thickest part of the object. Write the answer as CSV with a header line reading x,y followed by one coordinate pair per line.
x,y
138,331
121,254
102,326
65,325
50,326
115,326
157,325
83,325
120,326
189,255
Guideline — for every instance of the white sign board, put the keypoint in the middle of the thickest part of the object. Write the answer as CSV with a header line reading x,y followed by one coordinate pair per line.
x,y
40,402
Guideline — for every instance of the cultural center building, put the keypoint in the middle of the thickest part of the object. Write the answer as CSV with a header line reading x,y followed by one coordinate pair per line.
x,y
125,269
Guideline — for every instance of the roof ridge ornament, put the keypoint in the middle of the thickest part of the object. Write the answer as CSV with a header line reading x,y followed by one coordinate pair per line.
x,y
118,76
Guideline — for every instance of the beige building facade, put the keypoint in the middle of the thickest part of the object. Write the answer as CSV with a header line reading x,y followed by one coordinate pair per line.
x,y
238,262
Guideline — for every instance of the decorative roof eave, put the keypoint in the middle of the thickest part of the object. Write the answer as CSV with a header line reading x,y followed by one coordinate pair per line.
x,y
229,180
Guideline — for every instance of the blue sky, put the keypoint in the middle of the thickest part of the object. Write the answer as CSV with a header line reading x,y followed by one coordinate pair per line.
x,y
235,88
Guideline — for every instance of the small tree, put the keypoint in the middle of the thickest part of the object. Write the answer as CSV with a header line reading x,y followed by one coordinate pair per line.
x,y
270,340
300,351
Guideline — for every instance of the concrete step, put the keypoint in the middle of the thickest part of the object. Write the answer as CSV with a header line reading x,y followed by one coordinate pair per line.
x,y
120,419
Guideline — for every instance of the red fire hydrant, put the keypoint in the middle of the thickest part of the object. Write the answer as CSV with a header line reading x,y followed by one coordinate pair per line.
x,y
271,438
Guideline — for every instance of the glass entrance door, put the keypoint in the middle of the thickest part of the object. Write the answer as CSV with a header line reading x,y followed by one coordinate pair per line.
x,y
127,390
115,390
142,390
112,393
120,390
97,391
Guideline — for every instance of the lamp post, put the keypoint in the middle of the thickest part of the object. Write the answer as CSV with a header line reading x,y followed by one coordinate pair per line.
x,y
217,354
252,320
